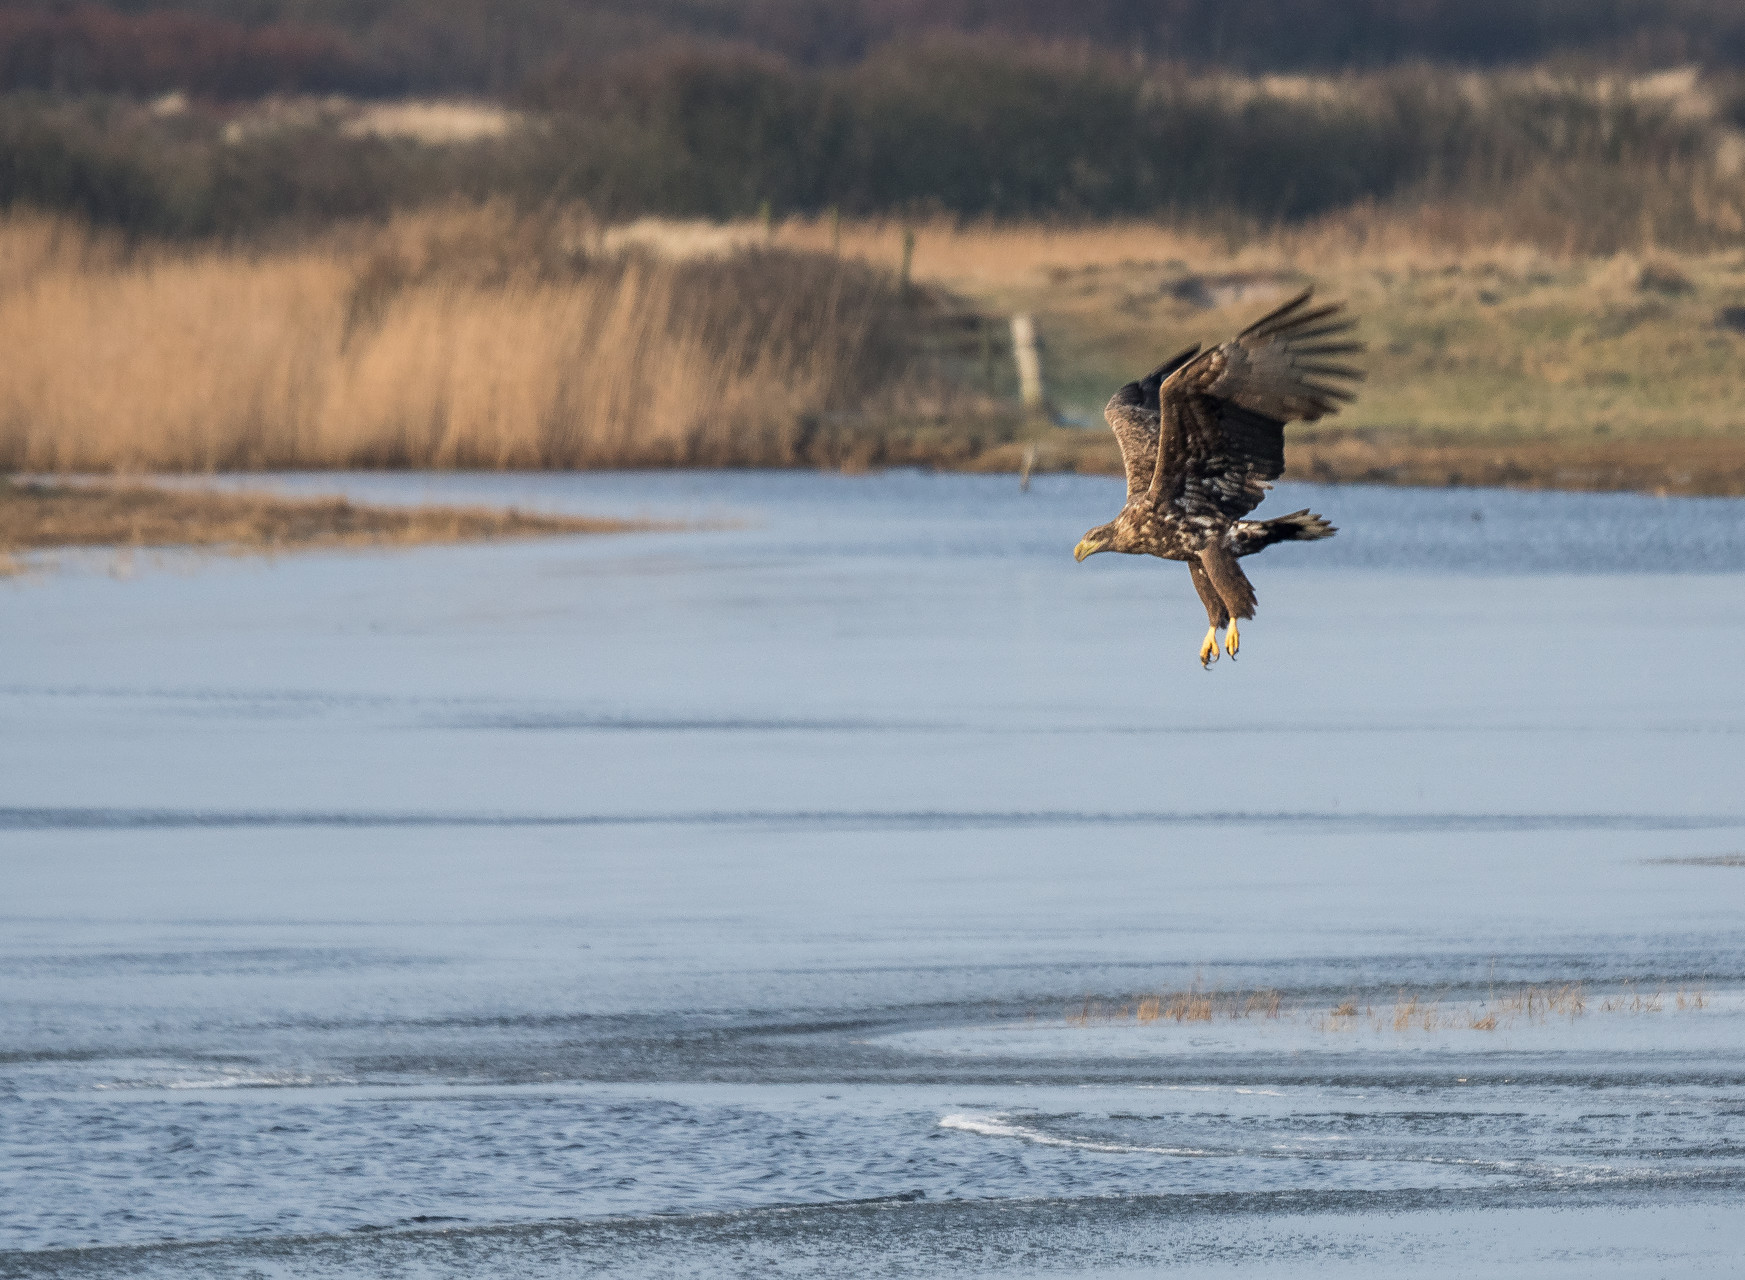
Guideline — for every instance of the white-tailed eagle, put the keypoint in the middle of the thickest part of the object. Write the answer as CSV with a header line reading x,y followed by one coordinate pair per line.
x,y
1203,435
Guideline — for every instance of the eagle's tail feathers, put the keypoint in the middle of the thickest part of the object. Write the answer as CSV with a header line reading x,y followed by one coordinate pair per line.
x,y
1299,526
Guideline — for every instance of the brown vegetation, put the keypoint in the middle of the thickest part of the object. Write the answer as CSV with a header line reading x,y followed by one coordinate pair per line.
x,y
469,338
1491,361
477,337
36,516
1532,1004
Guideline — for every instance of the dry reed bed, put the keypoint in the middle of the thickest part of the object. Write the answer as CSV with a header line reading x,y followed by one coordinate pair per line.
x,y
1529,1005
458,339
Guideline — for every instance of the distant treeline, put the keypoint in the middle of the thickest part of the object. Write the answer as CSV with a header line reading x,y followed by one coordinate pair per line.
x,y
91,49
244,48
951,126
957,127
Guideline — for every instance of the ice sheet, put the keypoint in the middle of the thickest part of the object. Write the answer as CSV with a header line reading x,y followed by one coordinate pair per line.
x,y
509,897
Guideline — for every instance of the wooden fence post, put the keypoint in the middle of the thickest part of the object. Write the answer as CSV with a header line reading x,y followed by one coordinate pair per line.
x,y
1027,354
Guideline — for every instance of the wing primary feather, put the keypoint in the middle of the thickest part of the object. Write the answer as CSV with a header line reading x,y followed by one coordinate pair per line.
x,y
1277,313
1292,323
1170,365
1323,330
1168,425
1153,381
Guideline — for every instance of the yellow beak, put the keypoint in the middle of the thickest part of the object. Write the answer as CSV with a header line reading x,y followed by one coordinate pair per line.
x,y
1085,547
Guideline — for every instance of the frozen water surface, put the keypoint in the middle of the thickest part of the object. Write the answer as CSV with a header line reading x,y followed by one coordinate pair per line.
x,y
852,884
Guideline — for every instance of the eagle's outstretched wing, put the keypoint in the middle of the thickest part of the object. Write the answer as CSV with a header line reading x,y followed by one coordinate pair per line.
x,y
1133,414
1222,414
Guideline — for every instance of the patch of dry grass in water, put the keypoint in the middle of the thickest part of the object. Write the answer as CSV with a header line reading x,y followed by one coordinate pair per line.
x,y
38,516
1410,1011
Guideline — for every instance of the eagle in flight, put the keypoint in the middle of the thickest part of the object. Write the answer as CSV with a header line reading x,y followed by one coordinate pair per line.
x,y
1201,437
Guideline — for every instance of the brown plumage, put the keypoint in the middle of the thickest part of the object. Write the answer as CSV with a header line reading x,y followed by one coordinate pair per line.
x,y
1202,437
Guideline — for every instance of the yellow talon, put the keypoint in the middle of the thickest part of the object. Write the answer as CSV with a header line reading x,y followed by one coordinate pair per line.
x,y
1232,641
1209,648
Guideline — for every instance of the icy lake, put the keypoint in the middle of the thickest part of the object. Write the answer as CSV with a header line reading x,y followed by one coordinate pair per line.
x,y
849,883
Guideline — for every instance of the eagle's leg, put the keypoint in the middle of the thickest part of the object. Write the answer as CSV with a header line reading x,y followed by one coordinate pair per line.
x,y
1216,613
1235,593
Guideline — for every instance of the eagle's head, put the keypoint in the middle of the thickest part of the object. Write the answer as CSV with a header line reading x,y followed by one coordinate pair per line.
x,y
1102,538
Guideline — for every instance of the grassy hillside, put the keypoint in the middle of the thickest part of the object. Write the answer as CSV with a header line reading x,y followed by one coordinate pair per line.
x,y
1483,337
1490,361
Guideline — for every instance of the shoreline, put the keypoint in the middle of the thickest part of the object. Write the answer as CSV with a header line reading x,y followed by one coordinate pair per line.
x,y
41,515
1691,467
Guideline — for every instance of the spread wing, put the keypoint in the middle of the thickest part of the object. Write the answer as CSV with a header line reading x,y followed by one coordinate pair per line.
x,y
1133,416
1222,414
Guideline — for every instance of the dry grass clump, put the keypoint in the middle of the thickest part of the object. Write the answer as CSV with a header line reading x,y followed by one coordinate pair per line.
x,y
1531,1005
38,516
1413,1010
1192,1005
468,338
1631,1000
1180,1006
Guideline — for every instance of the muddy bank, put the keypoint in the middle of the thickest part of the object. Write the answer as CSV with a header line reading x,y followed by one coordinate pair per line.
x,y
1693,466
39,516
1696,466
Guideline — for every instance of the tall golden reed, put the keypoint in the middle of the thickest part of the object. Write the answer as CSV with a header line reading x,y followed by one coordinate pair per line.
x,y
462,338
